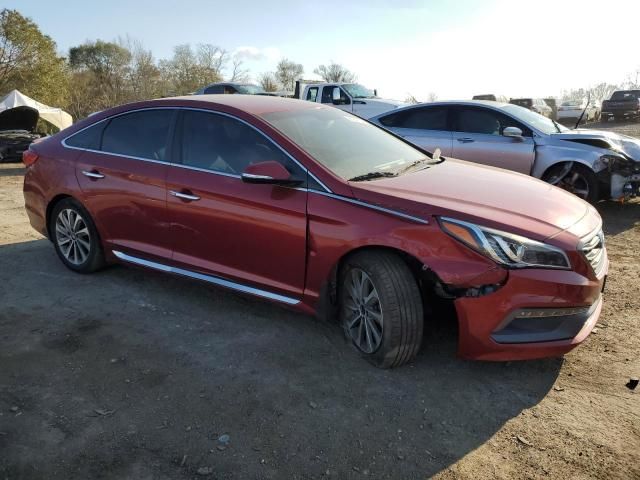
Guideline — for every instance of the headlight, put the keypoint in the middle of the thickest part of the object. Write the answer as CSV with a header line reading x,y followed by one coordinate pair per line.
x,y
507,249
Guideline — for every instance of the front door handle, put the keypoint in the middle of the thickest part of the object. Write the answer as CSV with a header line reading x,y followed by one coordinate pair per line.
x,y
92,174
466,140
185,196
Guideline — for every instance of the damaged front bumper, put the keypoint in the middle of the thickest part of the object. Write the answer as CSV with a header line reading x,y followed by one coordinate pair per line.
x,y
536,313
623,177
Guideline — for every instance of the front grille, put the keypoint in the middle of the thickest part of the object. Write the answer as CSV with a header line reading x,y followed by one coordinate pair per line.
x,y
594,250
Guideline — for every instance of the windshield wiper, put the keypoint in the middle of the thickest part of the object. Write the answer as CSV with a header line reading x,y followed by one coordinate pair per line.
x,y
557,125
372,176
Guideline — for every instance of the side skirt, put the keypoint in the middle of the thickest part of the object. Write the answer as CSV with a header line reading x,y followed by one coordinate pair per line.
x,y
206,278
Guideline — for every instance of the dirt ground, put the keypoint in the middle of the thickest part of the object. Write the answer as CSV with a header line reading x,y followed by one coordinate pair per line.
x,y
128,374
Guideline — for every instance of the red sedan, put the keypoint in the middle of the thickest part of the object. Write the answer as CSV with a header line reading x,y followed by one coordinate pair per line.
x,y
320,210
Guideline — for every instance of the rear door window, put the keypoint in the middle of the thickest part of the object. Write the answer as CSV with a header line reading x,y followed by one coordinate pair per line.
x,y
143,134
312,94
422,118
214,89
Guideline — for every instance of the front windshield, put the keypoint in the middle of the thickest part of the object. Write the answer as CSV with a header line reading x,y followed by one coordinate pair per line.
x,y
347,145
534,120
250,89
358,91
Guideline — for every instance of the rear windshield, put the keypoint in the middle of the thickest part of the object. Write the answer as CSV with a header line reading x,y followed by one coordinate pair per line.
x,y
347,145
635,94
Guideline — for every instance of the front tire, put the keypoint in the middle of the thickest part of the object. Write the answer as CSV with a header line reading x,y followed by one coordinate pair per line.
x,y
580,180
75,237
381,308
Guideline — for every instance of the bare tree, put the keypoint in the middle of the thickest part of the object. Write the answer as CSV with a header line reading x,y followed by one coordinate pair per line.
x,y
432,97
267,80
334,72
287,72
238,72
411,99
189,70
633,80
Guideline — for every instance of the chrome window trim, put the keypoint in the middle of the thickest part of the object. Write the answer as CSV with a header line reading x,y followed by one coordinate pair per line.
x,y
206,278
214,112
371,206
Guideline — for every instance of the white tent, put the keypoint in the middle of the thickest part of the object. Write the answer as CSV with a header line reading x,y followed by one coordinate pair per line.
x,y
55,116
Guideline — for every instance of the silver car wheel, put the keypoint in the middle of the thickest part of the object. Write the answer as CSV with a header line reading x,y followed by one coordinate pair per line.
x,y
72,236
363,319
575,183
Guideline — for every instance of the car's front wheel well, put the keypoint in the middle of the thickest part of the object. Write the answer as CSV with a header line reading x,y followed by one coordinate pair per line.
x,y
426,279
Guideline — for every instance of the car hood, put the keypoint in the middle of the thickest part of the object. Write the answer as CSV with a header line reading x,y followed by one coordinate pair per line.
x,y
484,195
19,118
603,139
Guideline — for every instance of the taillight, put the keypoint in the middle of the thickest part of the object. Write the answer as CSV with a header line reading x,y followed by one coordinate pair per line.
x,y
29,157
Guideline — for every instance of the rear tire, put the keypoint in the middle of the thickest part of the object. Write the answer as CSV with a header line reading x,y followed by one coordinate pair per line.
x,y
75,237
381,308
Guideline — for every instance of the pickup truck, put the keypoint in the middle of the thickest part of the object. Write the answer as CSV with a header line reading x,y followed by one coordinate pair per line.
x,y
351,97
622,104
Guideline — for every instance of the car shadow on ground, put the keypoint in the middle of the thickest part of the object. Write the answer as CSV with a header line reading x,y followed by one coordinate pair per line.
x,y
12,170
130,374
619,217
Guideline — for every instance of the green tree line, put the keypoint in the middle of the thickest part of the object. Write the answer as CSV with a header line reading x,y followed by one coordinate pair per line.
x,y
98,74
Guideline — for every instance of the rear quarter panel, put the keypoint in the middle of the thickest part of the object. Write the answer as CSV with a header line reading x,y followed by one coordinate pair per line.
x,y
52,175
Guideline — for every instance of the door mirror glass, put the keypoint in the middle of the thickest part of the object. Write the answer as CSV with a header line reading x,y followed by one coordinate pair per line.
x,y
268,172
335,95
513,132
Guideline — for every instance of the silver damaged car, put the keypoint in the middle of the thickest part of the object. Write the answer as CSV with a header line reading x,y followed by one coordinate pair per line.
x,y
591,164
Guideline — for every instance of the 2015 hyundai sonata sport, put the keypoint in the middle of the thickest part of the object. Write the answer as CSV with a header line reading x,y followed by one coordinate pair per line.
x,y
317,209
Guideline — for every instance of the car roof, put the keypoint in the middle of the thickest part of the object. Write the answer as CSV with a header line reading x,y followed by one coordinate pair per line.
x,y
253,104
448,103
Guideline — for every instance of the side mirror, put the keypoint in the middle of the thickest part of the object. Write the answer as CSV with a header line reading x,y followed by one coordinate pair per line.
x,y
269,172
335,95
512,132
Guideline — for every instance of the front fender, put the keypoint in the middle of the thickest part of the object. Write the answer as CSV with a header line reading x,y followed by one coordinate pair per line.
x,y
549,155
338,228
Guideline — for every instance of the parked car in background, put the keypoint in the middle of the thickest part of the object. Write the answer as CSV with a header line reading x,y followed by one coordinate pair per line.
x,y
350,97
232,88
534,104
492,97
553,104
623,104
571,110
17,132
319,210
591,164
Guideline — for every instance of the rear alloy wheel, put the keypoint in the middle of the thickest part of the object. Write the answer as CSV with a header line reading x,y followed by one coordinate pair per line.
x,y
381,308
75,237
579,180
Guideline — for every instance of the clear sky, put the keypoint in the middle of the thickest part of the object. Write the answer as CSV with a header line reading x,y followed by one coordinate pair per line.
x,y
452,48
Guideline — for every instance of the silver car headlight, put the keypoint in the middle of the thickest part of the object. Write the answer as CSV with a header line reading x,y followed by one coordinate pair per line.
x,y
507,249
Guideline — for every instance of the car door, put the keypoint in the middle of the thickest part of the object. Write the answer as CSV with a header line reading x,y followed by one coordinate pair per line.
x,y
122,174
250,234
478,137
344,103
425,126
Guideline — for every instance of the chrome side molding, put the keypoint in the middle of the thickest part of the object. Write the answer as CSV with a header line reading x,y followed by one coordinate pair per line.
x,y
206,278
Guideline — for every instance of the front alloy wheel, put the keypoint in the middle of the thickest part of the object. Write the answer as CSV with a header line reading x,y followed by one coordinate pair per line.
x,y
381,307
364,318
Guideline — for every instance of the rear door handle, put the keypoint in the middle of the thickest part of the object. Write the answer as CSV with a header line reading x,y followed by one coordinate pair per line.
x,y
466,140
92,174
185,196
